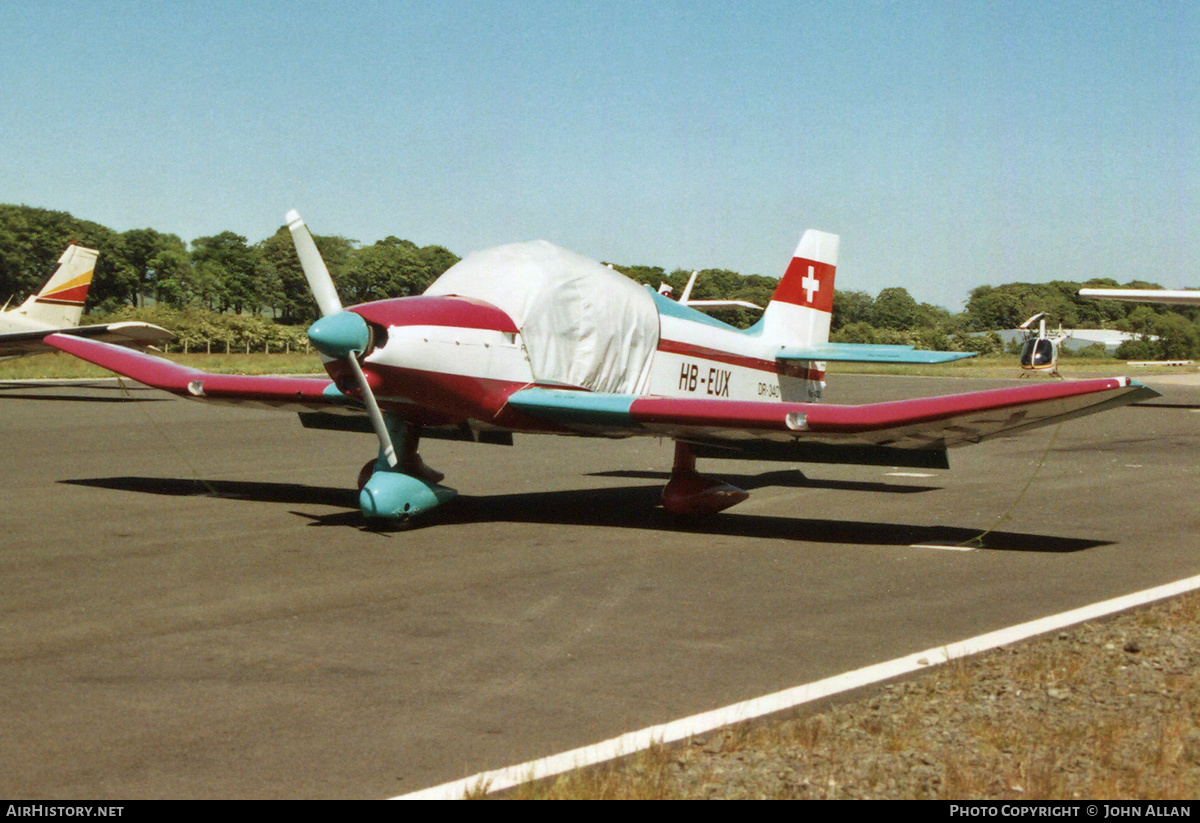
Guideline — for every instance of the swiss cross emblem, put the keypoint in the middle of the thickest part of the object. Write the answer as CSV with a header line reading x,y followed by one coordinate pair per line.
x,y
810,284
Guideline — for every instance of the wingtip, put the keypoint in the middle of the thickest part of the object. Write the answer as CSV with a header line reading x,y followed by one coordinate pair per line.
x,y
292,218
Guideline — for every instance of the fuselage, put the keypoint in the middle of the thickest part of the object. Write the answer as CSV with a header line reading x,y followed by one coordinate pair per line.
x,y
449,359
1039,354
14,321
699,356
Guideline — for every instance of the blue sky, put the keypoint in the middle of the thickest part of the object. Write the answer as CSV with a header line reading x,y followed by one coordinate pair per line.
x,y
950,144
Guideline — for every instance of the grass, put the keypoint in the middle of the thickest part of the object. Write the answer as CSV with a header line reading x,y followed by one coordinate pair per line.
x,y
645,776
61,366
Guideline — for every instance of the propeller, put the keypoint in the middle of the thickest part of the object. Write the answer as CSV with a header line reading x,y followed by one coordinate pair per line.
x,y
340,334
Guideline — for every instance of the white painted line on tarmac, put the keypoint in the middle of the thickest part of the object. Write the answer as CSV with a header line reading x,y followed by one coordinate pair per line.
x,y
706,722
946,547
909,474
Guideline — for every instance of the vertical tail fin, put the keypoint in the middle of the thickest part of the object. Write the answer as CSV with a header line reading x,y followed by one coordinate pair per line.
x,y
801,307
59,304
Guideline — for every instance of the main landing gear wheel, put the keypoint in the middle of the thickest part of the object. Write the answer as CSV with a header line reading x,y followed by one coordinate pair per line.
x,y
689,492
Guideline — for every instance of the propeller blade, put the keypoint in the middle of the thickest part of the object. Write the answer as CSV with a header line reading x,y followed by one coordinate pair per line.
x,y
315,271
373,412
339,334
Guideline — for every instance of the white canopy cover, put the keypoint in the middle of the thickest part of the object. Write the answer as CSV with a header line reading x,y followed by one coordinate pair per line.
x,y
583,324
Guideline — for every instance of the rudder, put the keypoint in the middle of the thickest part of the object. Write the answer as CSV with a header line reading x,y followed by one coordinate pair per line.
x,y
802,305
59,303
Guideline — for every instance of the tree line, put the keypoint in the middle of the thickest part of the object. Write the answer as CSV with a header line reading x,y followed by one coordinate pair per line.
x,y
224,288
223,273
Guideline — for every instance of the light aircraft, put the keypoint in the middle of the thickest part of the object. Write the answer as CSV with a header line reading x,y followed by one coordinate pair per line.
x,y
685,299
1039,352
1179,297
57,307
533,338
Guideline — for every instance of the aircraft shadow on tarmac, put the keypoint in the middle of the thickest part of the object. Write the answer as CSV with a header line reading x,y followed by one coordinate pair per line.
x,y
227,489
633,507
1165,405
786,478
112,393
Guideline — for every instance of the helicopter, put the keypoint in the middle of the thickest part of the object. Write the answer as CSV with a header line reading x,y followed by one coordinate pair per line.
x,y
1039,352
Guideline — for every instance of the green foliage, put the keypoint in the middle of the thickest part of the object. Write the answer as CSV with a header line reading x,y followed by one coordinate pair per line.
x,y
220,273
652,276
32,240
1138,349
199,329
284,285
1161,336
1140,320
895,309
1096,351
851,307
1178,337
990,343
1009,305
221,287
393,268
857,332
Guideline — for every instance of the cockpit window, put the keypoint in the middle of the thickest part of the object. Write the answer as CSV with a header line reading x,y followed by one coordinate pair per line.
x,y
1037,353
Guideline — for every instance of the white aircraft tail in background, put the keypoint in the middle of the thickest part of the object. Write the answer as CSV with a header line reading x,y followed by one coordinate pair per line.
x,y
57,308
60,301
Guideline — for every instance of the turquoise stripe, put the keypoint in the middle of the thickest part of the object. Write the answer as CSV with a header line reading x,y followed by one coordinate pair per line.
x,y
575,407
332,394
868,353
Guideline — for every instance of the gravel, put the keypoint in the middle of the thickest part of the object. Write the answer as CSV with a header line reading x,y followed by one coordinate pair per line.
x,y
1106,710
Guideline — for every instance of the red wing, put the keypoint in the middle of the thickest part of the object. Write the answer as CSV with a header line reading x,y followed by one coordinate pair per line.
x,y
928,422
291,393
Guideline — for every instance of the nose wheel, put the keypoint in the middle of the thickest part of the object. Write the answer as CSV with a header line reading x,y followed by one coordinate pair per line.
x,y
391,495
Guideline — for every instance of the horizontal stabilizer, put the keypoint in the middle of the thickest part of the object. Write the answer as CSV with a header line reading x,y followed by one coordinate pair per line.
x,y
710,305
868,353
125,333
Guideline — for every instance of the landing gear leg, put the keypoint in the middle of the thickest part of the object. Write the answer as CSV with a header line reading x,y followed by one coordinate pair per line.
x,y
689,492
390,495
